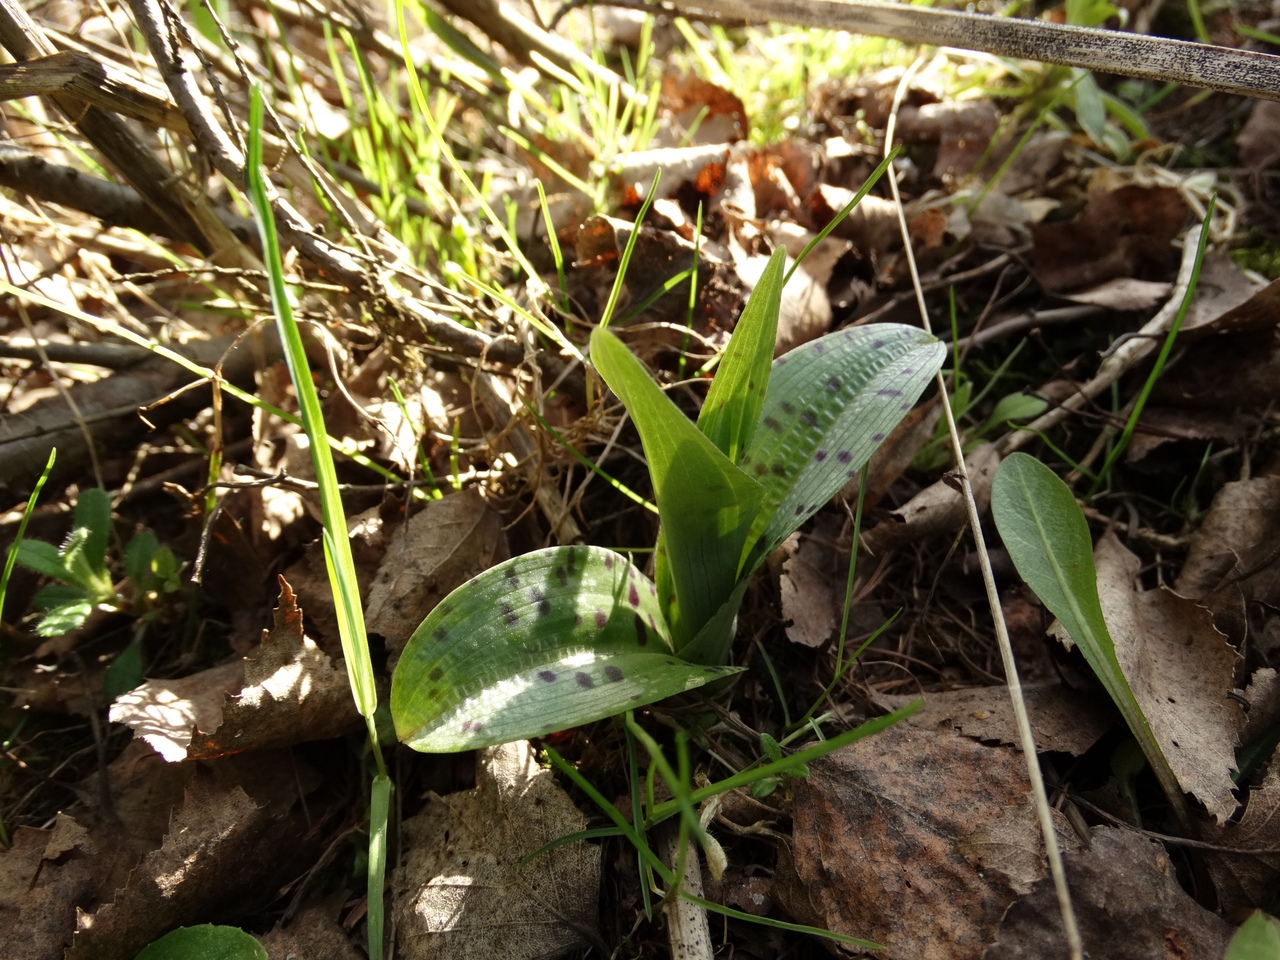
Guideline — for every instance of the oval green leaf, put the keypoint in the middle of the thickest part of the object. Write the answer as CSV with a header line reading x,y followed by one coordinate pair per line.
x,y
546,641
204,942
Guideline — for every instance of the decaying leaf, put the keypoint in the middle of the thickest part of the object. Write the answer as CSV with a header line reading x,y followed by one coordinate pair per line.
x,y
1180,669
291,693
435,551
1248,879
462,892
937,509
905,839
1127,902
1063,720
811,585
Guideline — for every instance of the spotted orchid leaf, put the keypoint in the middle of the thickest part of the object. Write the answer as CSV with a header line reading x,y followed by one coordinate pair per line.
x,y
545,641
830,403
706,504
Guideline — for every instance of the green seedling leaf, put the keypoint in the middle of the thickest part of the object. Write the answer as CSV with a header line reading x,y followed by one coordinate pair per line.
x,y
137,557
732,408
706,504
1015,406
44,558
125,672
545,641
1257,939
830,403
85,551
64,617
1048,540
205,942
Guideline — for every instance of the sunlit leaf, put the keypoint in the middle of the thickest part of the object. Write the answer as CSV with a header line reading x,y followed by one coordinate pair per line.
x,y
205,942
830,403
706,504
545,641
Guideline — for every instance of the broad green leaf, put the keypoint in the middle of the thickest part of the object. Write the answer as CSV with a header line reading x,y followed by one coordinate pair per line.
x,y
711,644
64,618
1048,540
830,403
732,408
705,503
205,942
137,557
549,640
43,558
1257,939
85,551
1015,406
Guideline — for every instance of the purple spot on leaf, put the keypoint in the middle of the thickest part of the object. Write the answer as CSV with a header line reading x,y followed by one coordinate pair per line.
x,y
808,418
820,456
877,437
509,614
787,407
538,597
771,424
907,371
548,675
583,680
601,619
877,344
833,384
613,674
778,469
761,469
888,392
440,633
563,576
436,673
633,596
844,456
905,406
577,619
800,510
653,590
819,348
780,361
608,561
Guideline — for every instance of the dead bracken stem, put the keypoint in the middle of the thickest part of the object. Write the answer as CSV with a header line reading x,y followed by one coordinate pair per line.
x,y
1043,813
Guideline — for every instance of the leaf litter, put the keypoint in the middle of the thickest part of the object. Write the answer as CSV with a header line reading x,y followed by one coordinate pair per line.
x,y
238,796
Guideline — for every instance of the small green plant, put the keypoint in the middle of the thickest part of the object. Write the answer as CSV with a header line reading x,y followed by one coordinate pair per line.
x,y
204,942
567,635
80,566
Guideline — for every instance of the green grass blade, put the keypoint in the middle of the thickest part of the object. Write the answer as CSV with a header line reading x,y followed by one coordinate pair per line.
x,y
20,538
355,646
545,641
732,409
379,812
706,504
1046,535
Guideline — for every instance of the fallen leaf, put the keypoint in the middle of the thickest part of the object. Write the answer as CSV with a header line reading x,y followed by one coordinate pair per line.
x,y
431,554
811,586
1259,139
291,693
938,509
1249,879
1180,669
901,838
462,892
1127,903
1062,720
1126,232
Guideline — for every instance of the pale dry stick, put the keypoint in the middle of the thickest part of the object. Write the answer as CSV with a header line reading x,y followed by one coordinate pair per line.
x,y
1025,737
1127,352
1109,51
688,930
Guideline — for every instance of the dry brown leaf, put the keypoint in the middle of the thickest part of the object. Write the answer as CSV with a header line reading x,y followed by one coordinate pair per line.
x,y
937,509
810,585
224,850
1263,697
291,693
1126,232
1128,905
1259,138
462,893
1244,881
1063,720
1180,669
900,839
313,934
432,553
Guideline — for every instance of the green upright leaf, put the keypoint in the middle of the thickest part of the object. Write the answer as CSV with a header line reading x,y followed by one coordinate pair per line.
x,y
732,409
1257,939
830,403
706,504
1048,540
549,640
85,550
